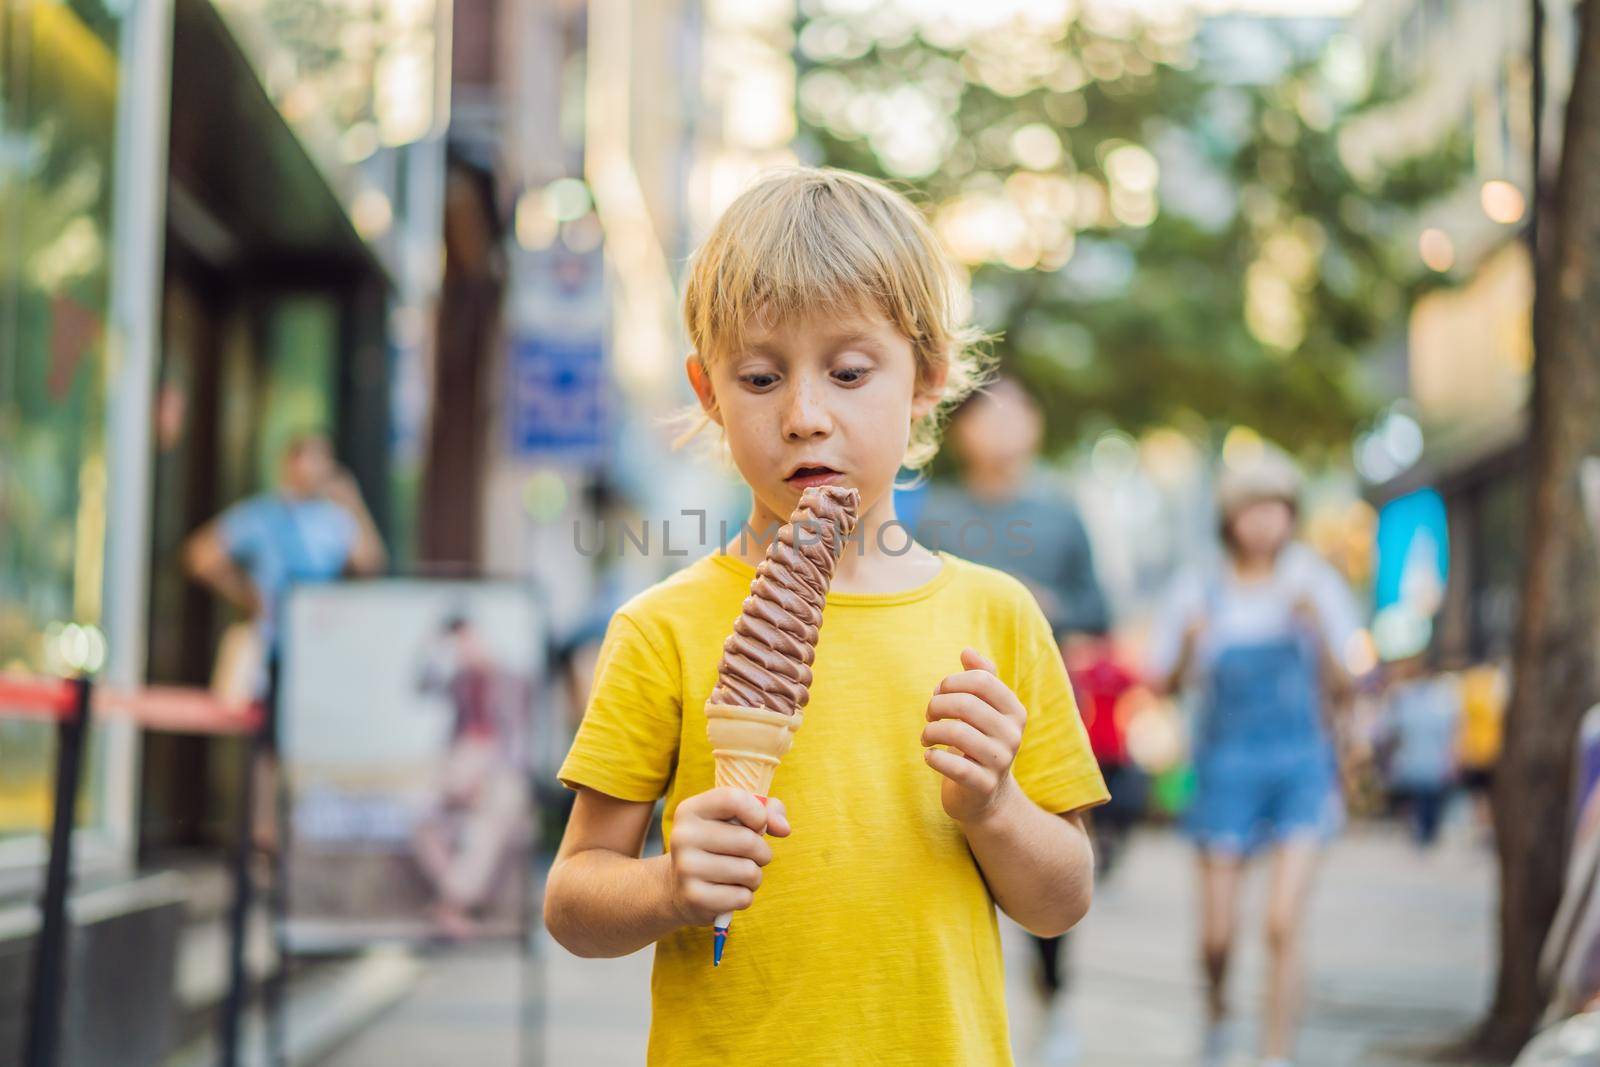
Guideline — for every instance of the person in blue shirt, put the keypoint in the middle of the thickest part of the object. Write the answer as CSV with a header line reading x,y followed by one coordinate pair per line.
x,y
311,527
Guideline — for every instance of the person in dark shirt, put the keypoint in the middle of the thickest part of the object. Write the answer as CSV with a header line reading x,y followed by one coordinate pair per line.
x,y
1004,514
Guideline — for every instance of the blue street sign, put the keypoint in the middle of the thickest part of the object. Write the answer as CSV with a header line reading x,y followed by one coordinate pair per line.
x,y
558,397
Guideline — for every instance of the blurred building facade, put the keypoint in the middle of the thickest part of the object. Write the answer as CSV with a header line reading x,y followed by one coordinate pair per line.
x,y
219,225
1466,70
220,228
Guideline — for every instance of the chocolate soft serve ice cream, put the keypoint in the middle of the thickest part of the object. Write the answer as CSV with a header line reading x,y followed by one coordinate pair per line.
x,y
766,661
764,678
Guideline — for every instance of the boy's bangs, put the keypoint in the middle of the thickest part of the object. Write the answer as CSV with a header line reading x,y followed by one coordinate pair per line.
x,y
814,266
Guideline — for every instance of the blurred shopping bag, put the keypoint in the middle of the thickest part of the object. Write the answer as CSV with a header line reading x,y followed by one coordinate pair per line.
x,y
240,673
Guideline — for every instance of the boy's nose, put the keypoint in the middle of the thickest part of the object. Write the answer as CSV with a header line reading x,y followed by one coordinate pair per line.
x,y
805,415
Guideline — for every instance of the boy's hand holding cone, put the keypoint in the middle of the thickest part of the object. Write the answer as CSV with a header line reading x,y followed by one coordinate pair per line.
x,y
718,850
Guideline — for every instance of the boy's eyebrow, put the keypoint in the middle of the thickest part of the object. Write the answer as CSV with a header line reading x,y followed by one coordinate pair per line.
x,y
857,338
832,342
758,349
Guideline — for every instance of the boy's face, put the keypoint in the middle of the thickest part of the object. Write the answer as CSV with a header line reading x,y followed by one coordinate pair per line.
x,y
824,399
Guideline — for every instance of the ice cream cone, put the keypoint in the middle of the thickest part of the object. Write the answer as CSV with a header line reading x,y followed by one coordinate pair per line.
x,y
747,744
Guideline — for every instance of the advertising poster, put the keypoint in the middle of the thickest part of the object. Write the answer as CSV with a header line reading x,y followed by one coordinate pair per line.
x,y
407,720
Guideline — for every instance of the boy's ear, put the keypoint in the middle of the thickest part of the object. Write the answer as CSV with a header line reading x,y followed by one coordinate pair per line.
x,y
700,382
930,388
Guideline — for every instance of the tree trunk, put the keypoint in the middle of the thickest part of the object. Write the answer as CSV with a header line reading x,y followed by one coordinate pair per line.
x,y
1556,678
451,519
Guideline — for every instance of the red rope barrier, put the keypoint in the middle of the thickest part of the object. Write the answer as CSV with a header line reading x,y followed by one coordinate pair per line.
x,y
167,708
24,696
176,709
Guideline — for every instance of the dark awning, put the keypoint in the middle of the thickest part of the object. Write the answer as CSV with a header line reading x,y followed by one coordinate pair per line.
x,y
244,194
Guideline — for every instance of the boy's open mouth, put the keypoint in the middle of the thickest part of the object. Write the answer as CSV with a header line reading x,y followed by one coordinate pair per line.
x,y
805,476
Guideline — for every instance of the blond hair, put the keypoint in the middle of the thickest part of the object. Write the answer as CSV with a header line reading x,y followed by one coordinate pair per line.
x,y
803,240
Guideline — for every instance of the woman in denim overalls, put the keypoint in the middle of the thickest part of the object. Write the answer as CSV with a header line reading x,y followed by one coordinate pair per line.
x,y
1257,640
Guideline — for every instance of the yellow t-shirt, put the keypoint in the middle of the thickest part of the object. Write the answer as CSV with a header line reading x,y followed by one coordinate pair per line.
x,y
873,939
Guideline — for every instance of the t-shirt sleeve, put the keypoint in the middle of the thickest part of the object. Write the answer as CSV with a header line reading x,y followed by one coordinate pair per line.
x,y
627,744
1054,766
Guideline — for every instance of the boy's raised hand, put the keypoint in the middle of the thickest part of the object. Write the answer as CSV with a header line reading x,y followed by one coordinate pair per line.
x,y
980,719
717,851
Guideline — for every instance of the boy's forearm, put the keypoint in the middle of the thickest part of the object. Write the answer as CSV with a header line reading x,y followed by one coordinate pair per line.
x,y
600,903
1039,867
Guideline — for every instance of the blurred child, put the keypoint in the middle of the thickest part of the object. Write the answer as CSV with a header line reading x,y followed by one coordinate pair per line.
x,y
827,345
1259,638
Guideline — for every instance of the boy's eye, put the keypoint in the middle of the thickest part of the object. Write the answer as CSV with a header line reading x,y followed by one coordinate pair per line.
x,y
758,381
851,375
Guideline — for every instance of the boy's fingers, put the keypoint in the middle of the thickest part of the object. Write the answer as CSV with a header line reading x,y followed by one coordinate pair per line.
x,y
727,803
977,711
716,899
987,687
726,839
958,769
777,818
974,660
723,870
972,744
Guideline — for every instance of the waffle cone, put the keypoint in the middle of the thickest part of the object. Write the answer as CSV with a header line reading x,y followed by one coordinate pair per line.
x,y
747,744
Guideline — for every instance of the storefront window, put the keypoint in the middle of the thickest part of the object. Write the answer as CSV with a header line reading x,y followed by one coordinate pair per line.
x,y
58,89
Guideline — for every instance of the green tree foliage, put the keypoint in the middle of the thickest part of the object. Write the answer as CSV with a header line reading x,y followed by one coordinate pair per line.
x,y
1155,239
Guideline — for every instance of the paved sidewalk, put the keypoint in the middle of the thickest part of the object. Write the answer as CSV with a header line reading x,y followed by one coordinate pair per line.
x,y
1401,955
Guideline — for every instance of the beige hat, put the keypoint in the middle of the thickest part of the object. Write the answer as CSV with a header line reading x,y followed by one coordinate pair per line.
x,y
1269,474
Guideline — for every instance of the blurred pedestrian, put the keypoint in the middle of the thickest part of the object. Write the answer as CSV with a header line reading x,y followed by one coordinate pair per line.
x,y
1004,515
1259,639
1421,720
311,527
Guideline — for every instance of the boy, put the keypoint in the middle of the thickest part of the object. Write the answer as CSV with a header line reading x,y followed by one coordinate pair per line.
x,y
827,344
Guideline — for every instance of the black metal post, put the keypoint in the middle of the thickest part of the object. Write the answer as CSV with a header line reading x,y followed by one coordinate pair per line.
x,y
49,951
243,891
276,1006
